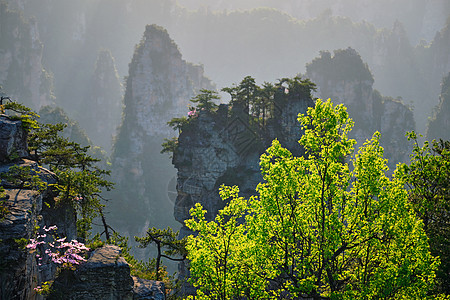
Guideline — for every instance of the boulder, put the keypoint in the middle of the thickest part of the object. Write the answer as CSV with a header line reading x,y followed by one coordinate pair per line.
x,y
145,289
105,275
13,139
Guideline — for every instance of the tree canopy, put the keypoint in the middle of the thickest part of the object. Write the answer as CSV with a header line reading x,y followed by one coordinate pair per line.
x,y
318,227
429,192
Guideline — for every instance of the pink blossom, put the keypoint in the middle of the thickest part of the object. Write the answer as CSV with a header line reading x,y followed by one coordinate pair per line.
x,y
192,113
68,256
54,227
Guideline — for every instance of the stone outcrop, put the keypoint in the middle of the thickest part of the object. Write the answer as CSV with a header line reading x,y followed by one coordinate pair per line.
x,y
145,289
22,74
159,87
346,79
105,275
13,139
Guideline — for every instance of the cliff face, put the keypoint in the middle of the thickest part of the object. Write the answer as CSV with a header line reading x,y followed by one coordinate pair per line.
x,y
22,75
13,139
346,79
223,147
159,86
101,109
26,212
440,122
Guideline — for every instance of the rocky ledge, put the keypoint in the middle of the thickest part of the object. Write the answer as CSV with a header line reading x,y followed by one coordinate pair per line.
x,y
13,139
105,275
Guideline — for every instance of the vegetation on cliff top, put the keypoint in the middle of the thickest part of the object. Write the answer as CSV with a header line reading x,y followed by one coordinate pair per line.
x,y
255,105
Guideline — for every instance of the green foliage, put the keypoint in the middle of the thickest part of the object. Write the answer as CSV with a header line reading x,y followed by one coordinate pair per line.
x,y
224,260
164,238
24,114
24,177
178,123
317,228
250,103
21,243
205,100
263,103
3,208
151,269
80,180
82,189
45,289
429,192
170,146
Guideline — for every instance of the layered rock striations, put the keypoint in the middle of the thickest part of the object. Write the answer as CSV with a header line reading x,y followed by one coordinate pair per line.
x,y
345,79
22,75
159,86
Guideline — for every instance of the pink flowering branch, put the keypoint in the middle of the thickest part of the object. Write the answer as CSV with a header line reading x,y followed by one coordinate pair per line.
x,y
66,254
193,113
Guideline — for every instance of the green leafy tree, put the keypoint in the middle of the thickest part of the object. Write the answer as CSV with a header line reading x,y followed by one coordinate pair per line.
x,y
224,260
317,228
428,179
80,180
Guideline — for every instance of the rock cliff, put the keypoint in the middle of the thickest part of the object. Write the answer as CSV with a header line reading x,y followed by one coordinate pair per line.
x,y
159,86
101,109
105,275
440,122
22,74
13,139
223,147
25,214
345,79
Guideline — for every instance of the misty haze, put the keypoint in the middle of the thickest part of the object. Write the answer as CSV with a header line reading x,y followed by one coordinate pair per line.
x,y
124,121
